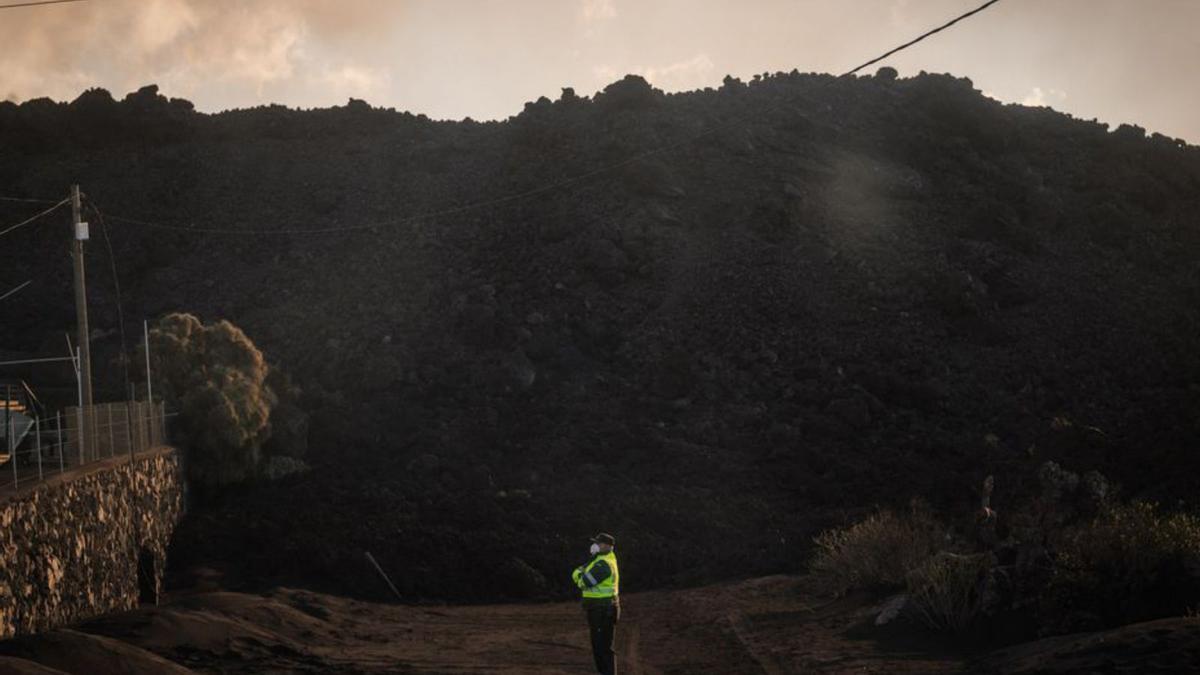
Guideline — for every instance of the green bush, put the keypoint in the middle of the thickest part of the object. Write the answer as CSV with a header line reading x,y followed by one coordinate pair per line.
x,y
948,592
1130,563
875,554
217,379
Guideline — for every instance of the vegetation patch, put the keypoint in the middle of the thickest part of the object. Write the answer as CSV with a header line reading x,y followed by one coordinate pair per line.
x,y
1071,559
877,553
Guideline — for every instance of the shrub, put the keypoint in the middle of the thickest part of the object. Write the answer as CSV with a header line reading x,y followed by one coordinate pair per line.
x,y
216,378
949,591
1130,563
877,553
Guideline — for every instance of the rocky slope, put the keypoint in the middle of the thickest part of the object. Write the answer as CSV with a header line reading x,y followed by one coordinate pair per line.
x,y
812,296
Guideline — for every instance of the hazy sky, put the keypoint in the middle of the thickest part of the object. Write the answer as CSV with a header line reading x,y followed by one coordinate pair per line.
x,y
1117,60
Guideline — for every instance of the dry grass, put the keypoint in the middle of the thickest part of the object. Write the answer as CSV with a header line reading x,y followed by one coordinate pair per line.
x,y
877,553
948,591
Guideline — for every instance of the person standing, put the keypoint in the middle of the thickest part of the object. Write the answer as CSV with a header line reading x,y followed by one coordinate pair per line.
x,y
599,581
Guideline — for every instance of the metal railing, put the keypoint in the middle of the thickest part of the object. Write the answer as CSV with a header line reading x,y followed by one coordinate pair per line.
x,y
54,445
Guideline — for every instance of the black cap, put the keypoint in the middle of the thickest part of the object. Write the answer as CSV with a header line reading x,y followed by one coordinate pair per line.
x,y
604,538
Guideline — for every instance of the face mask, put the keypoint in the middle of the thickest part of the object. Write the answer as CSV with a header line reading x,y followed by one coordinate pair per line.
x,y
594,549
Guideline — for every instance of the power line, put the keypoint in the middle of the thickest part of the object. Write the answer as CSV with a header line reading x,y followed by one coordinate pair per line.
x,y
35,4
26,222
912,42
15,290
550,186
27,200
112,261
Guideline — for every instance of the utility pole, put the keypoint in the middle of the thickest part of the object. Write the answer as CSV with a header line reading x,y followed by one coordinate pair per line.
x,y
80,232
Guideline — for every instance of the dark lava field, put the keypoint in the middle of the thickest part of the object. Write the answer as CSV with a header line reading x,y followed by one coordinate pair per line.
x,y
712,323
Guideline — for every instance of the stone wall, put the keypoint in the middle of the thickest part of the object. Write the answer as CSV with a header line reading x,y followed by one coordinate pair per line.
x,y
88,542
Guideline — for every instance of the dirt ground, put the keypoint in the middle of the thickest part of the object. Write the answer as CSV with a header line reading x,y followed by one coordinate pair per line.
x,y
768,625
762,626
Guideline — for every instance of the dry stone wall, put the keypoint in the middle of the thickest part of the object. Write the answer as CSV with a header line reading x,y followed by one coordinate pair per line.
x,y
90,542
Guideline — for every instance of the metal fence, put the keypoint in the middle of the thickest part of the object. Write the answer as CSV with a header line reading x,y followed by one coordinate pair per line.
x,y
39,447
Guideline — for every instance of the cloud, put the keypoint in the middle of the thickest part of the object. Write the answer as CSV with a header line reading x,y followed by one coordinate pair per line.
x,y
259,47
899,13
594,11
188,45
351,81
596,17
1048,97
687,74
605,73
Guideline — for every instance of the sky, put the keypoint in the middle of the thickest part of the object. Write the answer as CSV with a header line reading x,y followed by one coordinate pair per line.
x,y
1120,61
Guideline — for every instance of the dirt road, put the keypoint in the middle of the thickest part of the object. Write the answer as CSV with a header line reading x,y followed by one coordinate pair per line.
x,y
764,626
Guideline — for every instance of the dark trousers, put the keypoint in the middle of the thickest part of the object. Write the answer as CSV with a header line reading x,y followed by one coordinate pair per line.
x,y
602,617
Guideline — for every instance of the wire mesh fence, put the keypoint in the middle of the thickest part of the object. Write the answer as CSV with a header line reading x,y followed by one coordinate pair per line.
x,y
39,446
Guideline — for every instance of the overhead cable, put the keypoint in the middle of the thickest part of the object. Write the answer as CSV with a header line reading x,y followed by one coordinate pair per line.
x,y
27,200
914,41
26,222
39,2
16,290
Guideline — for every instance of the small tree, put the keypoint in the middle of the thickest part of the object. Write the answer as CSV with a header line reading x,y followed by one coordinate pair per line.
x,y
217,379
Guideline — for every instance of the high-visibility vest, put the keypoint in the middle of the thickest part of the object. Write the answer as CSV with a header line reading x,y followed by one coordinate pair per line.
x,y
609,587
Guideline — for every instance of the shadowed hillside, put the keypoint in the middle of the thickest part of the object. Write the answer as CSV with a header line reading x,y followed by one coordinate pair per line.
x,y
852,292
